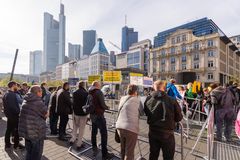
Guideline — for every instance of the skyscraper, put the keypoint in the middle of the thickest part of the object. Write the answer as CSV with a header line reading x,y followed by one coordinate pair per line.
x,y
128,38
89,41
35,67
62,24
74,51
54,41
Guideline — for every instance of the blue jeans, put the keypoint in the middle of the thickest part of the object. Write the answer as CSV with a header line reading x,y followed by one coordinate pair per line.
x,y
99,122
34,149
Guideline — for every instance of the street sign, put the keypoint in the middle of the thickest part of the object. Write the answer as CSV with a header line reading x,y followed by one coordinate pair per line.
x,y
73,81
137,80
112,77
147,82
92,78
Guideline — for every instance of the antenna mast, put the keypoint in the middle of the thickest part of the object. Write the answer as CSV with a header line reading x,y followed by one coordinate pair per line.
x,y
125,20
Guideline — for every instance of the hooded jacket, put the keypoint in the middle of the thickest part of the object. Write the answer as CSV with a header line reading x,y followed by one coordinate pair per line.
x,y
162,112
32,125
98,101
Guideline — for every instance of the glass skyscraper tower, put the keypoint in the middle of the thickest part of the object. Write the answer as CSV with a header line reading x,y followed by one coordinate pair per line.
x,y
128,38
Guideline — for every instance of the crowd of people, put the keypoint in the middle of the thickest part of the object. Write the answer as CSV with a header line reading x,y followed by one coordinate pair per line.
x,y
28,108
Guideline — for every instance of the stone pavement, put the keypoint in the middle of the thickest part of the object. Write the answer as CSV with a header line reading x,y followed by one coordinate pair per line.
x,y
57,150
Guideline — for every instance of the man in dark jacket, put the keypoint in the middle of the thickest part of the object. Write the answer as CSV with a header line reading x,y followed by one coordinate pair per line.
x,y
223,100
11,110
32,125
162,113
80,117
53,116
98,119
64,108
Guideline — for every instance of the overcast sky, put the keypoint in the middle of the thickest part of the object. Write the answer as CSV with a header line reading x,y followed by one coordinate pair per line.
x,y
22,21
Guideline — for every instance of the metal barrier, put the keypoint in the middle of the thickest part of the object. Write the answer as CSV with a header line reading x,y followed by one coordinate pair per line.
x,y
210,134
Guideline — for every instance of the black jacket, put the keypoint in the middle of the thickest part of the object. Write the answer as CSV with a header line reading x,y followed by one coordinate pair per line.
x,y
79,100
98,101
64,104
10,104
32,124
162,112
52,102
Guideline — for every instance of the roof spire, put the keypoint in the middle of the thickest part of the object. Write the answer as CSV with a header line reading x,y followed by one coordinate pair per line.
x,y
125,20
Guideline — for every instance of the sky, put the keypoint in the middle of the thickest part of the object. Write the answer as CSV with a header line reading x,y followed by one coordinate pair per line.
x,y
22,21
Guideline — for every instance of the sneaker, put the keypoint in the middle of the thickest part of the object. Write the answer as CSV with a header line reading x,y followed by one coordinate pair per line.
x,y
108,156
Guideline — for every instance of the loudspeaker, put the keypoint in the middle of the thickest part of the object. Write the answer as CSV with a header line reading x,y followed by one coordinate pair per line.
x,y
185,77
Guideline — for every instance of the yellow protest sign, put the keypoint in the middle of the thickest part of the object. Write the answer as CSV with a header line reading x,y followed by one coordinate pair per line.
x,y
136,74
92,78
112,76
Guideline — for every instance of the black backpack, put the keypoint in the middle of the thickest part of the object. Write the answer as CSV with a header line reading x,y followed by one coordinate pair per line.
x,y
89,107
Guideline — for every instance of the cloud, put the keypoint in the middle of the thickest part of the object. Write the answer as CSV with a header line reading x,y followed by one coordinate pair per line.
x,y
22,21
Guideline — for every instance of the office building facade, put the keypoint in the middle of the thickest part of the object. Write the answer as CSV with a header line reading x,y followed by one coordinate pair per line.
x,y
53,41
236,40
129,36
213,57
74,51
89,41
35,64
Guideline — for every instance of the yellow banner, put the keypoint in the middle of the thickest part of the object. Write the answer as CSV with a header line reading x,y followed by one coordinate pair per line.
x,y
112,76
94,78
136,74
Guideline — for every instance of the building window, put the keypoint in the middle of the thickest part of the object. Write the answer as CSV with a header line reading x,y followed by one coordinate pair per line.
x,y
184,58
210,43
210,64
196,57
173,40
184,38
184,48
163,61
196,66
184,66
163,52
162,68
210,76
196,45
197,77
172,50
172,67
178,39
210,53
172,59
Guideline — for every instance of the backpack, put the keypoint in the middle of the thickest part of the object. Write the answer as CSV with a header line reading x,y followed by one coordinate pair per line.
x,y
89,107
227,99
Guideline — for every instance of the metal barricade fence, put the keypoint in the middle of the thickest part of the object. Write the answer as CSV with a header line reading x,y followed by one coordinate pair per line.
x,y
210,134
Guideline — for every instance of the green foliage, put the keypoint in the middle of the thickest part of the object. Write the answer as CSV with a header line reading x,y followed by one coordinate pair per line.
x,y
4,81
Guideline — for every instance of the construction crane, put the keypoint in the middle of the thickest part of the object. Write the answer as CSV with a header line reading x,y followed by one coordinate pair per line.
x,y
114,45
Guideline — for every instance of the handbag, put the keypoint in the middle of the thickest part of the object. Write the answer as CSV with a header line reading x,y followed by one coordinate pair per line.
x,y
117,136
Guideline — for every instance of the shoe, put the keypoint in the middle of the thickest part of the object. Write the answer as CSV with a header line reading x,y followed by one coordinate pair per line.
x,y
80,147
54,133
20,146
8,146
62,139
71,143
108,156
95,150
